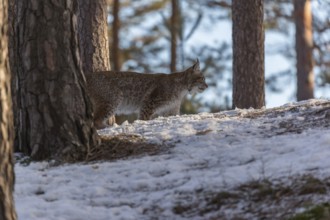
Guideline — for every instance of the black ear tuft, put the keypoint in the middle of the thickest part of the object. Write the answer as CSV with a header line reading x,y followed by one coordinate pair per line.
x,y
196,66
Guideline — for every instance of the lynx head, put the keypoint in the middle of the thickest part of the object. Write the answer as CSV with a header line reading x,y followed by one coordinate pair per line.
x,y
195,79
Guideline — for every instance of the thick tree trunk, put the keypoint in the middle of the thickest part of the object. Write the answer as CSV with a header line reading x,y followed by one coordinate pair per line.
x,y
174,33
248,54
12,56
304,49
115,58
93,35
7,210
54,112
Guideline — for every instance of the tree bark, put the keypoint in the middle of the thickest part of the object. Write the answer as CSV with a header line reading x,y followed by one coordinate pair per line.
x,y
174,33
12,31
248,54
304,49
115,36
55,114
7,178
93,35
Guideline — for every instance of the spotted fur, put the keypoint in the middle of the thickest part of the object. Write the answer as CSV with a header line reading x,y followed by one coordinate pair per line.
x,y
148,95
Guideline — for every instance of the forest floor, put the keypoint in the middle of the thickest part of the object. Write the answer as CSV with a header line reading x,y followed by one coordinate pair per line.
x,y
239,164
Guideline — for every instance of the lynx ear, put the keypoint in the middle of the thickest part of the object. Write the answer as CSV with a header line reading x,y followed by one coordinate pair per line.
x,y
196,66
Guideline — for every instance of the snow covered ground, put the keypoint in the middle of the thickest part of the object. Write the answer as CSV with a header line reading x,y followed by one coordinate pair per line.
x,y
207,157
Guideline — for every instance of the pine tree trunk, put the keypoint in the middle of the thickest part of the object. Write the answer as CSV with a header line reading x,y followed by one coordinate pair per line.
x,y
174,33
304,49
248,54
54,112
93,35
12,31
7,210
115,36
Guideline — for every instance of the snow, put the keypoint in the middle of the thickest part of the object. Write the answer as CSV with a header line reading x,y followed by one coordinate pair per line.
x,y
204,152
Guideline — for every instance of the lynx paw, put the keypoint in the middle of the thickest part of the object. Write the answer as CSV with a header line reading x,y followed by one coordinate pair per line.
x,y
111,120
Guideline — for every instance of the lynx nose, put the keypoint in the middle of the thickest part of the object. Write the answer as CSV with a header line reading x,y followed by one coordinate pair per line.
x,y
203,86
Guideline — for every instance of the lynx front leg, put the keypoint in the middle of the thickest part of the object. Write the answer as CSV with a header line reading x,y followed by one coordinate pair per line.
x,y
146,112
173,111
153,104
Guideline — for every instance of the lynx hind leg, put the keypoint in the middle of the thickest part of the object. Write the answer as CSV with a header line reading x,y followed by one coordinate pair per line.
x,y
104,114
101,114
102,111
111,120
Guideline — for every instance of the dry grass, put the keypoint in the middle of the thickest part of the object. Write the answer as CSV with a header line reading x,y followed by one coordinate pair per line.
x,y
318,212
262,199
124,146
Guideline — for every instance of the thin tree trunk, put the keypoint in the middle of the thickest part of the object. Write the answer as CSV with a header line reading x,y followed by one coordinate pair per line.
x,y
55,114
115,36
304,49
174,33
7,178
248,54
93,35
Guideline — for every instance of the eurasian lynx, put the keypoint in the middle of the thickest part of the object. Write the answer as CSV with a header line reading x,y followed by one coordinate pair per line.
x,y
149,95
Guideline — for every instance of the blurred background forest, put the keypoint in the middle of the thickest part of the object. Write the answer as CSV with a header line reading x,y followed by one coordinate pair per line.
x,y
168,35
